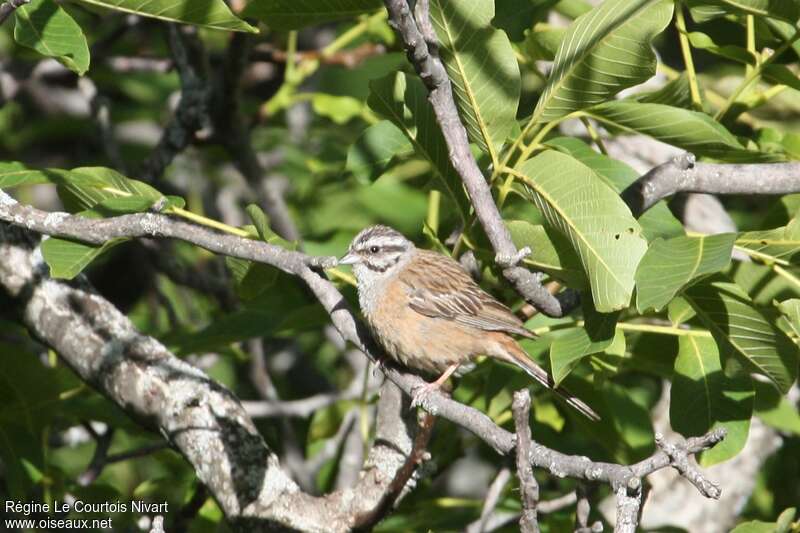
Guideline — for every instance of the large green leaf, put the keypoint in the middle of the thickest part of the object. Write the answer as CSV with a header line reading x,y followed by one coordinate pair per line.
x,y
657,221
690,130
670,265
598,224
404,102
603,52
779,245
296,14
374,149
596,335
14,173
209,13
775,409
87,187
784,9
44,26
727,311
67,258
703,397
482,67
552,252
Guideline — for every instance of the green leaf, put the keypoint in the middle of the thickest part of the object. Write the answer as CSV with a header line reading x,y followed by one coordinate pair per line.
x,y
676,93
779,245
67,258
404,101
296,14
727,311
791,313
87,187
374,149
213,14
691,130
552,252
569,349
788,10
598,224
775,409
340,109
703,397
735,53
261,222
657,221
482,67
14,173
44,26
251,279
603,52
542,42
782,525
780,74
670,265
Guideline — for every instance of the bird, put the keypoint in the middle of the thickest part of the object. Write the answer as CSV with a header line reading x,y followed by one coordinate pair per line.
x,y
426,312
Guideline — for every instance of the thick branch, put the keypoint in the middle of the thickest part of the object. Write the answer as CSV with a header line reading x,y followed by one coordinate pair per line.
x,y
436,403
683,174
420,43
200,418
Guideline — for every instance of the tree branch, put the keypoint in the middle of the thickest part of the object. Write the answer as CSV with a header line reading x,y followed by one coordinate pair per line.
x,y
528,487
6,8
420,43
299,264
200,418
684,174
191,114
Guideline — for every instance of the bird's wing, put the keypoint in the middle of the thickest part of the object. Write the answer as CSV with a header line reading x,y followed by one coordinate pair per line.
x,y
439,287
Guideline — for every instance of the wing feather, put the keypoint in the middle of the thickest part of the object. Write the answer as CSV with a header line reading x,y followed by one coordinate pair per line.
x,y
452,294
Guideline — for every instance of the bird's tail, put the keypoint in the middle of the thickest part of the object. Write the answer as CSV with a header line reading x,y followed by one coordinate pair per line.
x,y
517,356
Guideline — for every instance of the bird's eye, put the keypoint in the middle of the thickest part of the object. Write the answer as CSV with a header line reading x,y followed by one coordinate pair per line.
x,y
374,249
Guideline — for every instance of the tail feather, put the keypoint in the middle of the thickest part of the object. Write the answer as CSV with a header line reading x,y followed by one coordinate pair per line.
x,y
518,357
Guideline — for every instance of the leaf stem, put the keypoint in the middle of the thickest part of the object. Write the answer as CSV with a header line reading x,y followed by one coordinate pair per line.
x,y
594,135
754,75
208,222
785,274
751,42
629,326
686,51
432,219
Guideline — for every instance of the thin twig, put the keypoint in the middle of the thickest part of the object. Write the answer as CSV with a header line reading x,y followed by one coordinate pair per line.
x,y
529,488
684,174
420,41
491,500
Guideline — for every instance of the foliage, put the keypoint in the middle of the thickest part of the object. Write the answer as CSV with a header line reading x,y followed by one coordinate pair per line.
x,y
717,316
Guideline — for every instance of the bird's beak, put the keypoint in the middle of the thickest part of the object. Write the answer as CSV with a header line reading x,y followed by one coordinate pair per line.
x,y
349,259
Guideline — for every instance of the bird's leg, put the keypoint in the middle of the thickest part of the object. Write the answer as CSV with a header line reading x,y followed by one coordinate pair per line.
x,y
422,392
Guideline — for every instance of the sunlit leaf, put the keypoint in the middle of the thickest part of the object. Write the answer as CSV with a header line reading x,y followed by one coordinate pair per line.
x,y
603,52
209,13
296,14
481,65
598,224
44,26
670,265
727,311
703,398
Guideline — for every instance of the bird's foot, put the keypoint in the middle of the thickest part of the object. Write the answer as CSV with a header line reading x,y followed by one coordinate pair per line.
x,y
421,394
